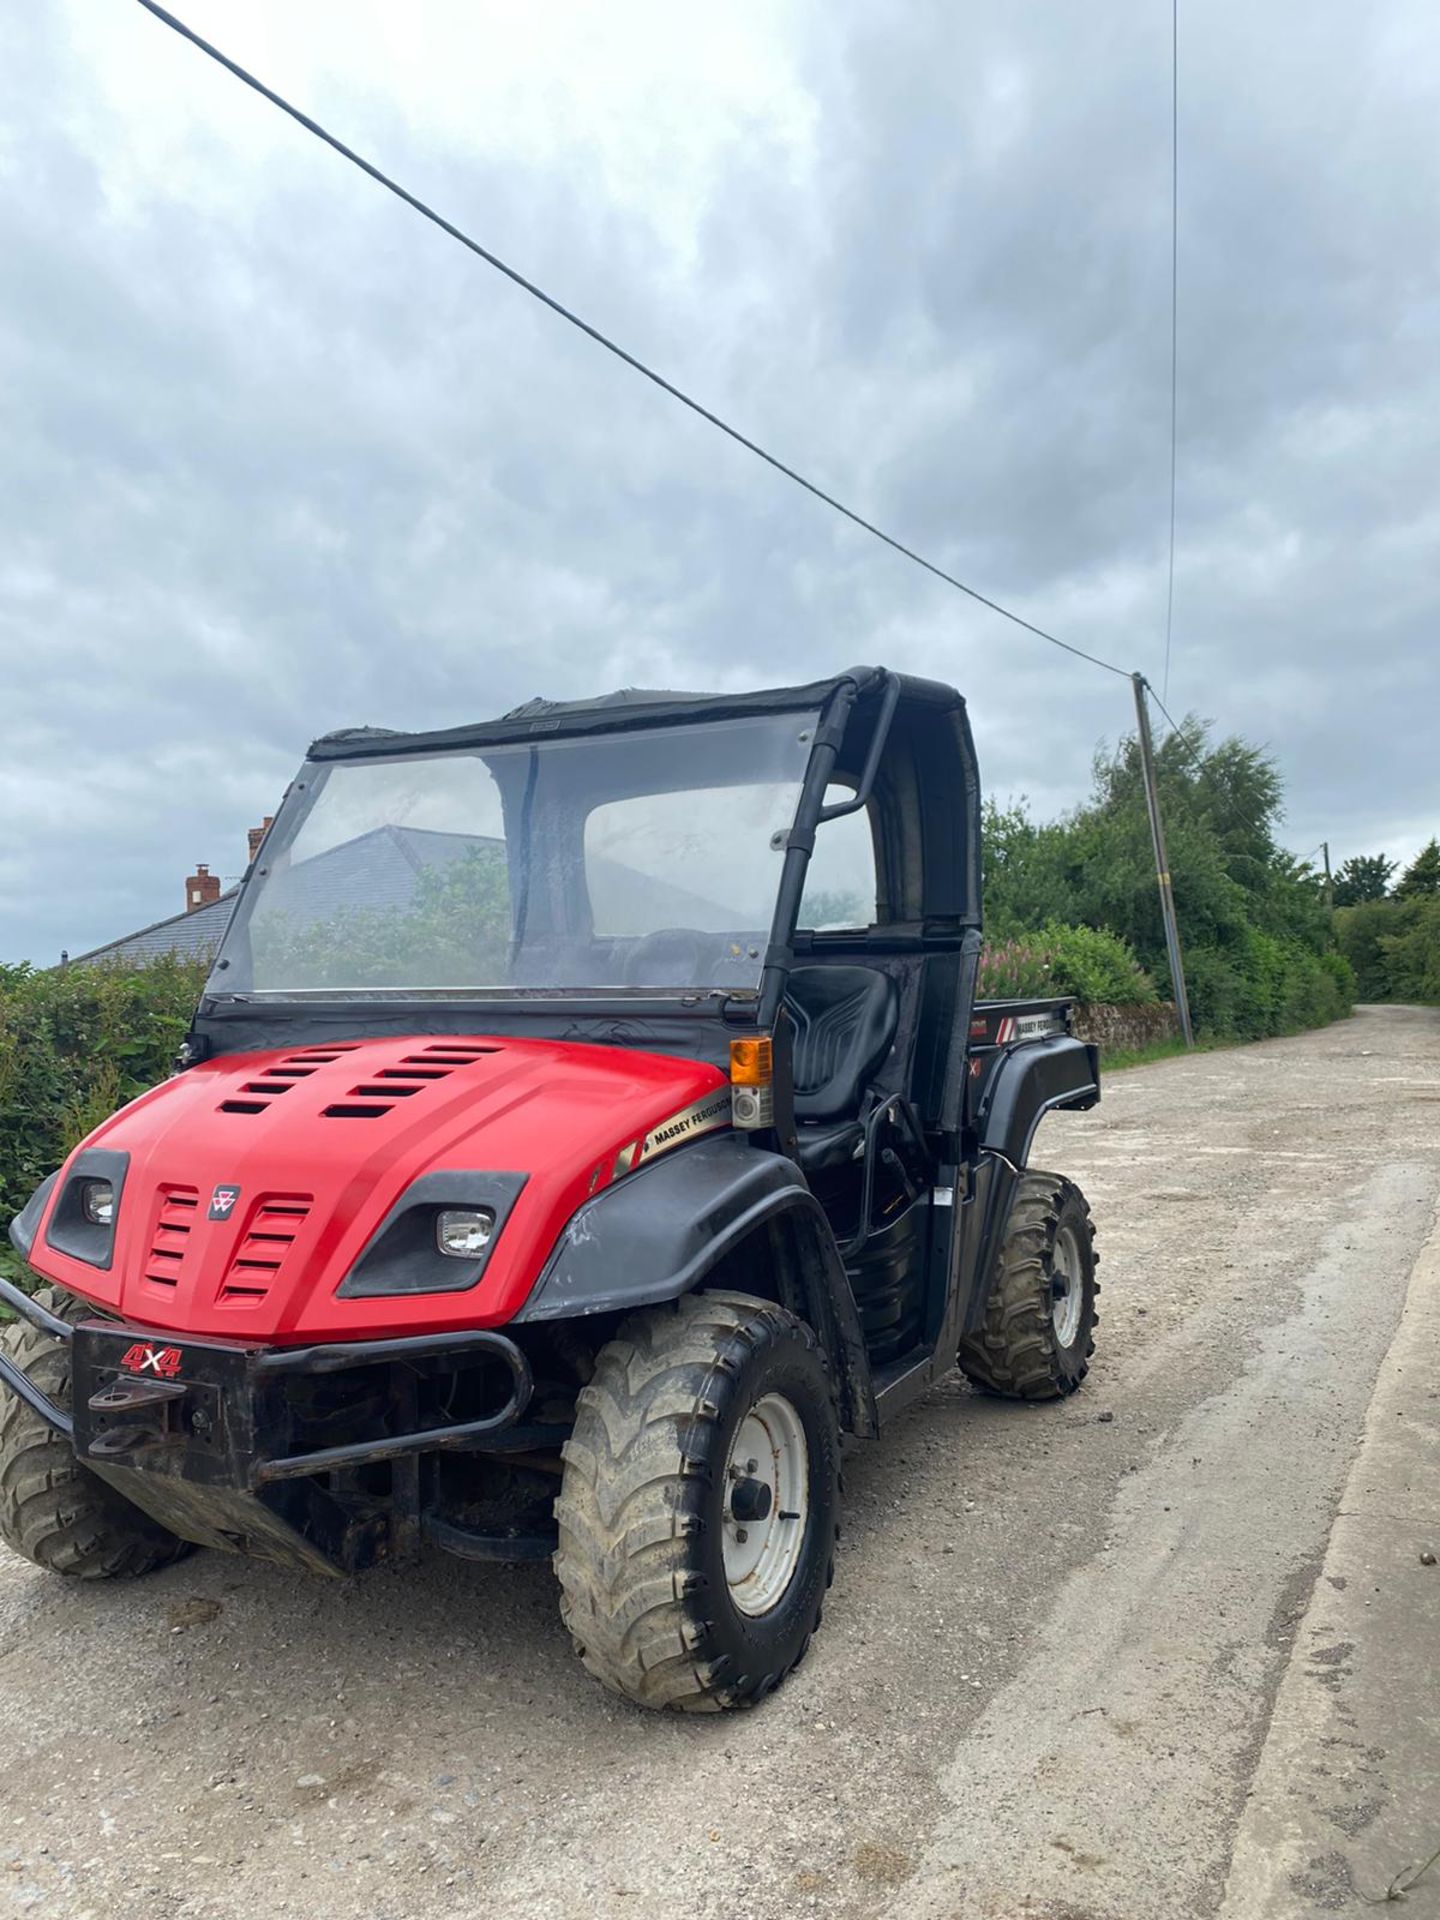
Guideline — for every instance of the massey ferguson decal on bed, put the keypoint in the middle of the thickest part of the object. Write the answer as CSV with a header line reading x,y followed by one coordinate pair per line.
x,y
614,1131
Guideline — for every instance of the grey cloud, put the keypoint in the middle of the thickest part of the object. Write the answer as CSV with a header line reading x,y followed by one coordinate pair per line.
x,y
301,462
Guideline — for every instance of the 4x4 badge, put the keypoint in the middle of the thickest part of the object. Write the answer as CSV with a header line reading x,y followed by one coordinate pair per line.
x,y
140,1358
222,1202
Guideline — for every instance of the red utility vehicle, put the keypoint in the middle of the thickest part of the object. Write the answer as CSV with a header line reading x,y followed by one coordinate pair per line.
x,y
588,1119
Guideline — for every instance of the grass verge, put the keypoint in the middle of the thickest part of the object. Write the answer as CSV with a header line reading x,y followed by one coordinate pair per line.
x,y
1124,1057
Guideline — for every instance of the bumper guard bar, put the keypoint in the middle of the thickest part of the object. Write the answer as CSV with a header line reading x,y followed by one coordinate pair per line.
x,y
20,1383
267,1362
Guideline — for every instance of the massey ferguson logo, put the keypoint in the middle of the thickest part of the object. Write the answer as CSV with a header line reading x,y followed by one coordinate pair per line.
x,y
222,1202
713,1110
164,1361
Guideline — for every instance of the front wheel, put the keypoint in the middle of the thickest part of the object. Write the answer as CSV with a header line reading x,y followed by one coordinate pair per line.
x,y
700,1504
1037,1337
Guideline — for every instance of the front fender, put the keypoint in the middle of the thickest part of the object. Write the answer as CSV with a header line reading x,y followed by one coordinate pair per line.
x,y
656,1234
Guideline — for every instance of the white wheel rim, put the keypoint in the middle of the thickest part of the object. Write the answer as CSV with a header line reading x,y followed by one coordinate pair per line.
x,y
1067,1287
761,1554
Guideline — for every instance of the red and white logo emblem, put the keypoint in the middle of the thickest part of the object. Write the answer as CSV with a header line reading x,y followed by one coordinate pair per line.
x,y
164,1361
222,1201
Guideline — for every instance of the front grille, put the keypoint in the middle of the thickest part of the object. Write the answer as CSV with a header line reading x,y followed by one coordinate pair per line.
x,y
269,1237
170,1236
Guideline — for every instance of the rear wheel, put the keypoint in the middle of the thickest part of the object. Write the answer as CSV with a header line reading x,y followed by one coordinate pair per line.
x,y
1038,1333
700,1504
52,1510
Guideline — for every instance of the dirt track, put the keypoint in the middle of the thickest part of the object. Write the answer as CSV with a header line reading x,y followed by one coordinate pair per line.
x,y
1046,1672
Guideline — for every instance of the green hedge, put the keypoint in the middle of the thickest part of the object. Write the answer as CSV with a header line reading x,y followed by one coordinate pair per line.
x,y
1260,986
75,1043
1394,948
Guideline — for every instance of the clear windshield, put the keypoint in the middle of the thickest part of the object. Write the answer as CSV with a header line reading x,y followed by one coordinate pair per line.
x,y
637,859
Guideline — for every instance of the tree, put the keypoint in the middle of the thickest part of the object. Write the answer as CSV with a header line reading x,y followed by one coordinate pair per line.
x,y
1412,951
1258,943
1364,877
1362,932
1421,880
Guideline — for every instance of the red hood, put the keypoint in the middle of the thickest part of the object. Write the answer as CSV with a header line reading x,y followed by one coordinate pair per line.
x,y
321,1142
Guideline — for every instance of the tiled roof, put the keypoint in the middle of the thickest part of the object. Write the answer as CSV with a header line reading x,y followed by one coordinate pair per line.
x,y
189,936
378,869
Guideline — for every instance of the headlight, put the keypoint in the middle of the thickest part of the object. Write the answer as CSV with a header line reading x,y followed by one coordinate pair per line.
x,y
464,1236
439,1237
97,1202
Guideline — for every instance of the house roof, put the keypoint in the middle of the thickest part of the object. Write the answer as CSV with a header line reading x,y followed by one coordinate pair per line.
x,y
188,936
378,870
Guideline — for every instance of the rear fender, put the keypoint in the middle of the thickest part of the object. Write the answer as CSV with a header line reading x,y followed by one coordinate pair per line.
x,y
1027,1084
661,1232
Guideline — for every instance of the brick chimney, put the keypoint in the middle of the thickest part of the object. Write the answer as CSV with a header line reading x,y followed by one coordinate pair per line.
x,y
257,834
202,889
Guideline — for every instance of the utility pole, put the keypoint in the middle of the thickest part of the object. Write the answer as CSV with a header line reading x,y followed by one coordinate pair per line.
x,y
1162,864
1329,882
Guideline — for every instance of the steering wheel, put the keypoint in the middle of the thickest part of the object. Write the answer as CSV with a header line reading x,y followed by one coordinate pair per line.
x,y
671,957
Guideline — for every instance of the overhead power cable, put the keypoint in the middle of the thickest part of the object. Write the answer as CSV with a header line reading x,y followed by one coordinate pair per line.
x,y
1176,732
611,346
1174,309
1163,708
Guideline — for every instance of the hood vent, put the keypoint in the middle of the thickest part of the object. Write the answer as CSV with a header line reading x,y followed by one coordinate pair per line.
x,y
455,1053
170,1240
257,1095
268,1238
378,1095
374,1096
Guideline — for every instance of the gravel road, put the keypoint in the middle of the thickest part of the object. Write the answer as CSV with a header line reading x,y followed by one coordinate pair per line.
x,y
1046,1673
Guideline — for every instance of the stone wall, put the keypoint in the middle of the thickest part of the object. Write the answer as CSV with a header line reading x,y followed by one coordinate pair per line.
x,y
1126,1029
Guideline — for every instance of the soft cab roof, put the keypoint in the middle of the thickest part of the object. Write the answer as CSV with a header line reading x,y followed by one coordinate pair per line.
x,y
618,712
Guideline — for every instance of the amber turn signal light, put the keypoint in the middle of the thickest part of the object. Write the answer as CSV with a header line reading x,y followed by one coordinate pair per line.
x,y
752,1074
752,1062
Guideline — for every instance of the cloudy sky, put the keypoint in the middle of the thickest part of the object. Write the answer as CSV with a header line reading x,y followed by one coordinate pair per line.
x,y
278,457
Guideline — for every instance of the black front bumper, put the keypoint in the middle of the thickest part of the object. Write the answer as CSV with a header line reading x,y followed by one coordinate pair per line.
x,y
219,1414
